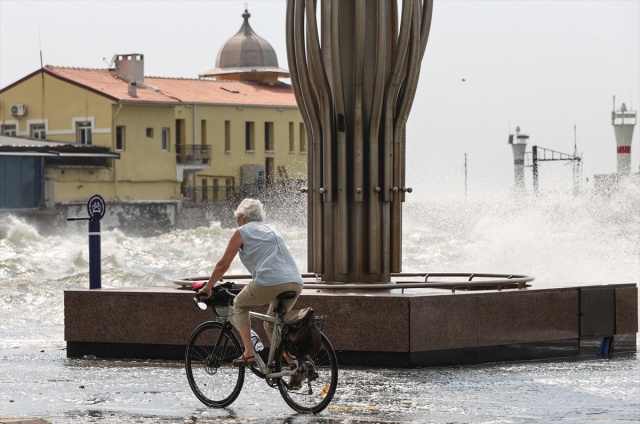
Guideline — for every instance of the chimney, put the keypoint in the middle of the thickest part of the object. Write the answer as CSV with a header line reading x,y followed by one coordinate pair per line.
x,y
130,67
132,89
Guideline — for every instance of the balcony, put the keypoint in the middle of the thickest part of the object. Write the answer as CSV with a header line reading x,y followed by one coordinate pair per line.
x,y
193,156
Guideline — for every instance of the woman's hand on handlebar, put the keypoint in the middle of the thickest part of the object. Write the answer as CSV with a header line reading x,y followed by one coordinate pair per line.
x,y
205,292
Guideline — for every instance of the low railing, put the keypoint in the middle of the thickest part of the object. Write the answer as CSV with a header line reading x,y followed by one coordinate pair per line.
x,y
207,194
454,281
194,195
193,154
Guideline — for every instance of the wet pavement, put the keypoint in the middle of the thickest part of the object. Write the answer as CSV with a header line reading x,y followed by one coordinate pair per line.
x,y
43,383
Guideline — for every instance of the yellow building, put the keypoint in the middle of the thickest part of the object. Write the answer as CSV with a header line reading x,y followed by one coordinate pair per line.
x,y
234,131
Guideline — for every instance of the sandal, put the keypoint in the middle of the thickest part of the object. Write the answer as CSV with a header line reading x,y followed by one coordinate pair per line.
x,y
244,361
295,382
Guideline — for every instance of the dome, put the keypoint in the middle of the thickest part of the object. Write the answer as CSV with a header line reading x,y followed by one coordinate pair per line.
x,y
246,56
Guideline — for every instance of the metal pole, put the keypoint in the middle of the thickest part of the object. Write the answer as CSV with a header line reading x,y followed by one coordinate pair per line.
x,y
534,150
576,163
465,175
95,274
96,208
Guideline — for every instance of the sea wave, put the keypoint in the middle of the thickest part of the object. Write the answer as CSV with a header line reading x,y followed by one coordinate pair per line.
x,y
558,239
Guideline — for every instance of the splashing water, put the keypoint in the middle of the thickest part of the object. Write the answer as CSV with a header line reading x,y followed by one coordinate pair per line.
x,y
557,239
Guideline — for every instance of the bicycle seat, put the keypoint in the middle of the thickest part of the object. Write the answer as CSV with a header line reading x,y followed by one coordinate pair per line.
x,y
287,295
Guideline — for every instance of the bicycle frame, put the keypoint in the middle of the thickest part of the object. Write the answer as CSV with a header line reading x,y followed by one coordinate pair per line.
x,y
265,368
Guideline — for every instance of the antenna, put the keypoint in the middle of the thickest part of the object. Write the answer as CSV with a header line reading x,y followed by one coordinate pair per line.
x,y
40,47
465,176
42,76
110,63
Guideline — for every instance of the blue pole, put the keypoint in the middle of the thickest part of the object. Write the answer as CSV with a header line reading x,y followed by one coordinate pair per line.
x,y
95,278
605,347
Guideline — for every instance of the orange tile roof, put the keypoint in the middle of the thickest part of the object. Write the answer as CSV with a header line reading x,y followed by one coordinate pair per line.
x,y
178,90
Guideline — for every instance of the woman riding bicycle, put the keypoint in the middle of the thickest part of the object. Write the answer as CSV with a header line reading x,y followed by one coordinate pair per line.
x,y
263,252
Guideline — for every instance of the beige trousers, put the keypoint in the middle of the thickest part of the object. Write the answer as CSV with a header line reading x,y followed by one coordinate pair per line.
x,y
253,295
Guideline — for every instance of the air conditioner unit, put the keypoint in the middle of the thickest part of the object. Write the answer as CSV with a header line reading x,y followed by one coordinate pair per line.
x,y
18,110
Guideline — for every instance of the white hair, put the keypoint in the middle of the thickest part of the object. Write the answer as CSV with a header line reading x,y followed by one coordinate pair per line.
x,y
251,209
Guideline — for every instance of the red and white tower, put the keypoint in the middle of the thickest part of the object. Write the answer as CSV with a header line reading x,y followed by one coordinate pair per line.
x,y
623,121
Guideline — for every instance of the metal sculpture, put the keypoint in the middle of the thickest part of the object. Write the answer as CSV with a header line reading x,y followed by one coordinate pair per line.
x,y
354,78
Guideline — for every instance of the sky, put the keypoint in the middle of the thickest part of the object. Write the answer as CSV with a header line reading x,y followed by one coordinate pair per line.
x,y
550,67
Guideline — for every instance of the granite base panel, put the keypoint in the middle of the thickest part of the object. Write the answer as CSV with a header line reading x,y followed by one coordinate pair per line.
x,y
386,327
622,345
125,350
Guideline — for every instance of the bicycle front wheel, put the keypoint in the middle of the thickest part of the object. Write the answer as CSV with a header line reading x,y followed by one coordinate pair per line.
x,y
208,363
319,375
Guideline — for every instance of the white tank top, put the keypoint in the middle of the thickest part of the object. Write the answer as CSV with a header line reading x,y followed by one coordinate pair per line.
x,y
266,256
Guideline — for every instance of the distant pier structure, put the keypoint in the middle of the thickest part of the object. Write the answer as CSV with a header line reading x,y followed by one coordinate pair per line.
x,y
523,159
519,146
623,122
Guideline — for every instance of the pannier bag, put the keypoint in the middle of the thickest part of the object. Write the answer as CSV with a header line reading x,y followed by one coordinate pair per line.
x,y
301,333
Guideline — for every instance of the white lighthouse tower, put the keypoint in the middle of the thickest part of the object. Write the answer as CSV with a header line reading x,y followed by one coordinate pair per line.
x,y
519,146
623,121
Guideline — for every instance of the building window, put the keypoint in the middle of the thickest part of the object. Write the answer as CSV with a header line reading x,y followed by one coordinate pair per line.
x,y
181,132
149,132
83,130
303,139
249,136
292,142
205,190
119,138
9,129
268,137
216,189
38,131
228,188
203,132
165,139
227,136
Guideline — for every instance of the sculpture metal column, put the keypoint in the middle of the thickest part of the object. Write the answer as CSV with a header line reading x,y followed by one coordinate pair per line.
x,y
355,79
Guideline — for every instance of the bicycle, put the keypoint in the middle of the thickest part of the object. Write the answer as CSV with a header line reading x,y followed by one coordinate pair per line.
x,y
213,346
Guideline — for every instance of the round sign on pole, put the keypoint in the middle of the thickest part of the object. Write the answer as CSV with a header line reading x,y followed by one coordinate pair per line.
x,y
96,207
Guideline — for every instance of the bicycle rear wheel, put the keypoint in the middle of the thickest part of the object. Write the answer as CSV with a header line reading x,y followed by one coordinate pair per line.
x,y
320,372
212,377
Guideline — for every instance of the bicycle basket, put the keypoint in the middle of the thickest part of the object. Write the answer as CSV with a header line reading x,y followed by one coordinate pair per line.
x,y
221,301
220,305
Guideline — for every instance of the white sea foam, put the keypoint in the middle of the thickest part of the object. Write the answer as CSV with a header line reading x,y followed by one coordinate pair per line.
x,y
558,239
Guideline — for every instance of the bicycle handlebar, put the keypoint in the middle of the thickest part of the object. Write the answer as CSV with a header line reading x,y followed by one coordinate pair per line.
x,y
224,287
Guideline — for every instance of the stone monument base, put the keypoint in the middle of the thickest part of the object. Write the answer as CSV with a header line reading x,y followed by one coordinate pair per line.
x,y
405,328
